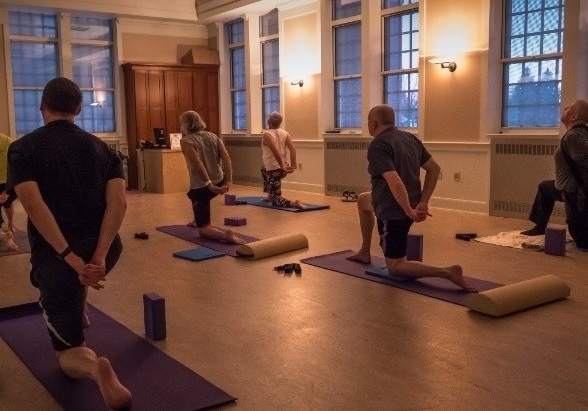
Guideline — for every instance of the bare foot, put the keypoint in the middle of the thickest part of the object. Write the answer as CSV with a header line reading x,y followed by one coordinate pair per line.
x,y
267,199
191,224
114,393
8,239
232,238
297,204
360,257
456,277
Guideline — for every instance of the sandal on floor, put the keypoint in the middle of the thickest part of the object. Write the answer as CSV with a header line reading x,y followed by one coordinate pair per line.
x,y
345,196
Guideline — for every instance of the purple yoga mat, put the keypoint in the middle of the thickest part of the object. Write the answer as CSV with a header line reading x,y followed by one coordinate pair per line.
x,y
188,233
157,381
432,287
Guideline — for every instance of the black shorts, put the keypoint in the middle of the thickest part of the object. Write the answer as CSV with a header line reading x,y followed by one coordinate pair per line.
x,y
200,198
62,294
393,237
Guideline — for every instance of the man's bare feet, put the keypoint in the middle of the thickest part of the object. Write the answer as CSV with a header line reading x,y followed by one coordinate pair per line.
x,y
456,277
8,239
231,237
114,393
361,257
297,204
191,224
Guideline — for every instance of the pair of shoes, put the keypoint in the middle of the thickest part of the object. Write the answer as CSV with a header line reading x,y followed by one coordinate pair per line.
x,y
533,231
142,236
465,236
289,268
349,197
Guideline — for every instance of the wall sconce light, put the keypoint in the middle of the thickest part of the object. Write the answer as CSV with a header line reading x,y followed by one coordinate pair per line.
x,y
450,65
297,82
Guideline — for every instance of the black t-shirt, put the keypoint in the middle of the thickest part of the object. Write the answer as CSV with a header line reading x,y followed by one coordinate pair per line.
x,y
400,151
71,168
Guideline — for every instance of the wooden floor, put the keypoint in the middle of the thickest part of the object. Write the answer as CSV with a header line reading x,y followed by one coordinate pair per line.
x,y
328,341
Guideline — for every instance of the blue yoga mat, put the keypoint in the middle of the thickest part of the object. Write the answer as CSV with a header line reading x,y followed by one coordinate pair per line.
x,y
157,381
432,287
259,201
198,254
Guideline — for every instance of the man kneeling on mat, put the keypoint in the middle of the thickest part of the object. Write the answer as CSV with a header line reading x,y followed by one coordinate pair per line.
x,y
210,170
72,187
394,161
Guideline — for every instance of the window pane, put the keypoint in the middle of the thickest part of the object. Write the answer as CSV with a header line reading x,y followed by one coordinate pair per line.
x,y
348,103
271,102
395,3
532,94
346,8
97,115
33,64
236,32
348,50
239,102
401,41
268,24
271,62
532,88
29,24
91,29
238,67
92,66
26,110
401,93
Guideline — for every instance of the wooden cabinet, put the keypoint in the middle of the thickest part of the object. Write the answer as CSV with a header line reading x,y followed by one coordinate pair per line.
x,y
156,95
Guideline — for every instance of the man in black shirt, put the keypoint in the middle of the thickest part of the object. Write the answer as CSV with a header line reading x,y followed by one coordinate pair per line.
x,y
71,185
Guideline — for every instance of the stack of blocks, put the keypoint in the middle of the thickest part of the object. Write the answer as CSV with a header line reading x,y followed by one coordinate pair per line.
x,y
414,247
230,199
555,241
154,314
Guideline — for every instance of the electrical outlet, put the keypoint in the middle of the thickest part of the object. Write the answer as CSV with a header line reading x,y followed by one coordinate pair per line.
x,y
456,176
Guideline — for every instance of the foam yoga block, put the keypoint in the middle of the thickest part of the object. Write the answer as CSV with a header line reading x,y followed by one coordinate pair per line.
x,y
154,312
555,241
414,247
273,246
236,221
230,199
519,296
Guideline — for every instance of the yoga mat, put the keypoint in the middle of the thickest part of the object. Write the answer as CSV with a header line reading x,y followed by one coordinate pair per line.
x,y
514,239
198,254
258,201
21,239
273,246
433,287
188,233
157,381
519,296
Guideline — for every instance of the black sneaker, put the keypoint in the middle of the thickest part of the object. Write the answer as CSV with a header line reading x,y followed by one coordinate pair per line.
x,y
533,231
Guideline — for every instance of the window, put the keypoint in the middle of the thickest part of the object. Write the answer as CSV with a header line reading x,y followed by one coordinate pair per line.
x,y
347,64
34,53
401,63
236,40
35,48
532,63
270,58
92,57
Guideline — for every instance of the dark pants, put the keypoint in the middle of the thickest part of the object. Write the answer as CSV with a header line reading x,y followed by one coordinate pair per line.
x,y
577,219
272,184
544,202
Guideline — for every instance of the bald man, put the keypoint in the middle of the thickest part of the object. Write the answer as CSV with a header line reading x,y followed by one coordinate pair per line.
x,y
395,158
571,179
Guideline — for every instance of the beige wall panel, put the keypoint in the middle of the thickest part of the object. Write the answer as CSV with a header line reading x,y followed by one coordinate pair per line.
x,y
162,49
452,100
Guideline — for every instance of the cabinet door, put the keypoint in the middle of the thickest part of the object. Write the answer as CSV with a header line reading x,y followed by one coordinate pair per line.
x,y
178,98
205,97
149,103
